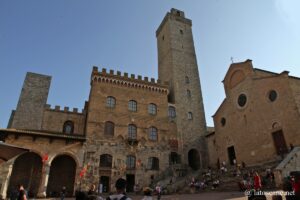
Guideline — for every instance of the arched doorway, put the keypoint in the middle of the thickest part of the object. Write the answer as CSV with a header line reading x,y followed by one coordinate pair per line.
x,y
27,170
62,174
194,159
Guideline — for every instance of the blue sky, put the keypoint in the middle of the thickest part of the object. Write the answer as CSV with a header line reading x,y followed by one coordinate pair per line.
x,y
65,38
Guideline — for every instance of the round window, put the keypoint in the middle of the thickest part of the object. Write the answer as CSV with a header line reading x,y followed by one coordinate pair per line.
x,y
242,100
272,95
223,121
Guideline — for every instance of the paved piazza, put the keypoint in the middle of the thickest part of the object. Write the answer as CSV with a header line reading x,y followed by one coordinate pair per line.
x,y
199,196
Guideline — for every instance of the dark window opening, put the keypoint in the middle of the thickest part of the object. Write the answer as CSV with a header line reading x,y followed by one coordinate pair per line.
x,y
68,127
130,162
188,93
190,115
152,109
106,160
272,95
153,163
132,105
172,112
187,80
242,100
109,128
153,133
174,158
132,132
110,102
223,121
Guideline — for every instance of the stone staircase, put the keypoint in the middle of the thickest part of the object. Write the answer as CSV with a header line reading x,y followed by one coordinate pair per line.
x,y
182,176
289,164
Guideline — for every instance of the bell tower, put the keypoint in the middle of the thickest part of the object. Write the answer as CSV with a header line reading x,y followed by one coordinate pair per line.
x,y
177,64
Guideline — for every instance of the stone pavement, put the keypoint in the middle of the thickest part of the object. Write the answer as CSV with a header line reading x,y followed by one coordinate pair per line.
x,y
214,195
199,196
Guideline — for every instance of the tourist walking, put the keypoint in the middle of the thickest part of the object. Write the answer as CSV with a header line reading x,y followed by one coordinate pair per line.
x,y
158,191
22,193
120,194
63,193
257,181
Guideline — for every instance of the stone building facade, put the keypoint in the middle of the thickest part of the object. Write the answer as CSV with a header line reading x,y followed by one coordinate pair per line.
x,y
132,127
258,120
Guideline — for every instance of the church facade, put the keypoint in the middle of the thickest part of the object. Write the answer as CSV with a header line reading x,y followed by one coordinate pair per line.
x,y
258,121
131,127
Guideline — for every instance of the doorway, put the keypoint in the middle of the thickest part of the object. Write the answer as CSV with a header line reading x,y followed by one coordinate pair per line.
x,y
130,178
194,159
231,154
62,174
279,142
105,183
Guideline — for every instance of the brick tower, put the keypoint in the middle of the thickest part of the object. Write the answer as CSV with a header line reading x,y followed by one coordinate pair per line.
x,y
177,64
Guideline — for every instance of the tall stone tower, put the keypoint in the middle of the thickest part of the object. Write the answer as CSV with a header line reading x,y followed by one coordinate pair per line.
x,y
177,64
32,101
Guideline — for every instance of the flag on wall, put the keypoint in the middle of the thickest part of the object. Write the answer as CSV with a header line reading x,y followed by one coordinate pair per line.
x,y
83,171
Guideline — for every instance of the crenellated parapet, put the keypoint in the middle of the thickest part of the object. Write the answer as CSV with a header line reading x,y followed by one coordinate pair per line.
x,y
131,81
64,109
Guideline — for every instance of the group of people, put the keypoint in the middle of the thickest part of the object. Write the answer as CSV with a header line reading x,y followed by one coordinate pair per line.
x,y
120,192
207,179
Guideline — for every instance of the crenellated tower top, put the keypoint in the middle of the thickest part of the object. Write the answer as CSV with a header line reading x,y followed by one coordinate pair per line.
x,y
125,80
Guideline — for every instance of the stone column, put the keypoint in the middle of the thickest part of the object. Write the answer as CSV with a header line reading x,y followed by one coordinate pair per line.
x,y
3,189
44,181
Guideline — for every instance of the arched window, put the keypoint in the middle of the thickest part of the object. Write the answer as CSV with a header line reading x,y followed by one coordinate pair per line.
x,y
105,160
188,93
109,128
152,109
153,163
132,132
187,80
172,112
111,102
190,115
68,127
132,105
130,162
153,133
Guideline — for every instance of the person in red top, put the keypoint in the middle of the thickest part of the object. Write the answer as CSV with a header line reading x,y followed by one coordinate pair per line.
x,y
257,181
296,186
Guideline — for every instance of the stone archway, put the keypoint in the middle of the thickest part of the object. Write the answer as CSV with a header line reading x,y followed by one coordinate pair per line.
x,y
27,170
62,174
194,159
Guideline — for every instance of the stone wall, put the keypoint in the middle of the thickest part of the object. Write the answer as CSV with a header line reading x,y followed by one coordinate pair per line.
x,y
54,120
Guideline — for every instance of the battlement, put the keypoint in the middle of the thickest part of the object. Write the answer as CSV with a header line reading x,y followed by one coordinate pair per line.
x,y
65,109
131,80
133,77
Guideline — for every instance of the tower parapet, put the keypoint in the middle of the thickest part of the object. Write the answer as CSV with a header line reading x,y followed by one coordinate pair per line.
x,y
128,81
65,109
